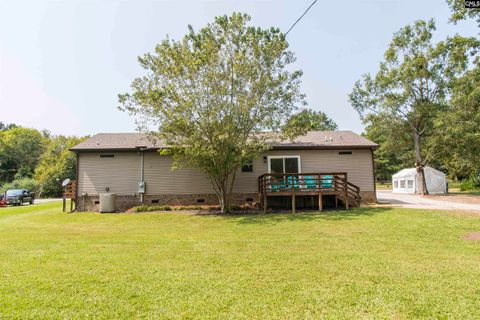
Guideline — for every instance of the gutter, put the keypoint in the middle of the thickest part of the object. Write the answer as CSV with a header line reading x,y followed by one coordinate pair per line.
x,y
279,147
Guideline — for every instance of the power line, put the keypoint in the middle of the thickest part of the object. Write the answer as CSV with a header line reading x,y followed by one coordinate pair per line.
x,y
293,25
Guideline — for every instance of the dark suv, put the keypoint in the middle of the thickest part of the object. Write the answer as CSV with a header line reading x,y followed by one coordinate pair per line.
x,y
17,197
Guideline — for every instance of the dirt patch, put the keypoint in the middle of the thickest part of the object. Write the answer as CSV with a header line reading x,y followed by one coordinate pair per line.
x,y
458,198
473,236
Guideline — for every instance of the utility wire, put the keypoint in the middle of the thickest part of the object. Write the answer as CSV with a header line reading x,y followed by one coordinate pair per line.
x,y
293,25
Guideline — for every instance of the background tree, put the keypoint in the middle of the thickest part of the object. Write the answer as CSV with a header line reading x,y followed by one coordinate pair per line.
x,y
308,120
20,150
458,140
459,12
412,84
214,94
56,164
458,130
7,126
395,149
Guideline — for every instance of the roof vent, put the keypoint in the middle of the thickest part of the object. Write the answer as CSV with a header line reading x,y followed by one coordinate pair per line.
x,y
97,143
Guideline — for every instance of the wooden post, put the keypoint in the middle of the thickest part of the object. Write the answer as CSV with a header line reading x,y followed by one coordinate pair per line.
x,y
320,200
65,199
346,196
293,194
264,191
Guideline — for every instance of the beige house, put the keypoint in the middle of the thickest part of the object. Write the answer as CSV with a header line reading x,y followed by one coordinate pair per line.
x,y
319,170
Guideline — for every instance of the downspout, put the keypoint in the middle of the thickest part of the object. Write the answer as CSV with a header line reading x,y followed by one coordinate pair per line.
x,y
374,175
77,182
142,172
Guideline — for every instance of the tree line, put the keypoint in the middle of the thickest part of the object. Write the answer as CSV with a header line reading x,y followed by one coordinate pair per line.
x,y
423,105
35,160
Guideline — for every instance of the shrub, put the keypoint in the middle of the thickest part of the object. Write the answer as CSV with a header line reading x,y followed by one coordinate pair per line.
x,y
469,185
197,207
146,208
21,183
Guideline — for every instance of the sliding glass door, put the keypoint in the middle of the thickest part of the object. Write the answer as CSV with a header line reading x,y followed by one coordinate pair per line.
x,y
284,164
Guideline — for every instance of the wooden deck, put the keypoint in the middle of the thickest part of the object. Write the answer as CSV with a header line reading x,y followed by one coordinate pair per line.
x,y
308,184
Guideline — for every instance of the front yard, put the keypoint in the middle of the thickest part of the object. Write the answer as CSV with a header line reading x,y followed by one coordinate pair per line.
x,y
363,263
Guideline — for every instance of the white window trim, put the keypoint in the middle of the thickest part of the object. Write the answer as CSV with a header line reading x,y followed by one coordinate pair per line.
x,y
283,157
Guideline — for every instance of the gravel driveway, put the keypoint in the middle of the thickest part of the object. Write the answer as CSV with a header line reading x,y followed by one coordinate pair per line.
x,y
420,202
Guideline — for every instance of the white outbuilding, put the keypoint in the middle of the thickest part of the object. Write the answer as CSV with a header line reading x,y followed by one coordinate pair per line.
x,y
408,181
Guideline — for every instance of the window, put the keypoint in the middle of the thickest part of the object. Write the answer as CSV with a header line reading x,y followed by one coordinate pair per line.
x,y
247,167
344,152
395,183
107,155
402,183
284,164
410,184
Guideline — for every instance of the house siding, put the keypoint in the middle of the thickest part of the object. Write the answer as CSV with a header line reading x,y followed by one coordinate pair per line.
x,y
121,173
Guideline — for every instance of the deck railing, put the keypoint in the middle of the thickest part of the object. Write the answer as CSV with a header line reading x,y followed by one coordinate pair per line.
x,y
298,184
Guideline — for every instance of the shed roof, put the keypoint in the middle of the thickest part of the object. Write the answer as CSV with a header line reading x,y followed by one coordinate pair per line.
x,y
311,140
412,172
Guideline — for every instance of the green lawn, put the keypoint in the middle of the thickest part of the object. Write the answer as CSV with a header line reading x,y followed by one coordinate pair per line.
x,y
383,186
363,263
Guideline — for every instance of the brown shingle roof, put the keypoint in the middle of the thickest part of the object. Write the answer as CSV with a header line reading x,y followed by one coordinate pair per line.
x,y
328,139
312,140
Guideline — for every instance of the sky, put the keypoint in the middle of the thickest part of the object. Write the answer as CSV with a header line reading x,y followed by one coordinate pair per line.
x,y
63,63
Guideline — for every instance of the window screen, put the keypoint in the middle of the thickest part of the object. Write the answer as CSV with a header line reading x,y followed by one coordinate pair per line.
x,y
410,184
402,183
395,183
248,167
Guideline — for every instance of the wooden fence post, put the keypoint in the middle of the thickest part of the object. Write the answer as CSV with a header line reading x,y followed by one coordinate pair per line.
x,y
293,194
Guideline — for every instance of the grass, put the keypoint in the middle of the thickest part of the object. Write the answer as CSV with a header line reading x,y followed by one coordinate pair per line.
x,y
383,186
363,263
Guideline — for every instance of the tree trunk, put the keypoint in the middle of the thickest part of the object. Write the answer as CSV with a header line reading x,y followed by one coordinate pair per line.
x,y
226,201
223,196
423,190
223,187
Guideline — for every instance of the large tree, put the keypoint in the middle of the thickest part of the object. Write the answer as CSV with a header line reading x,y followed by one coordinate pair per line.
x,y
395,145
213,95
308,120
20,151
56,164
457,139
412,84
